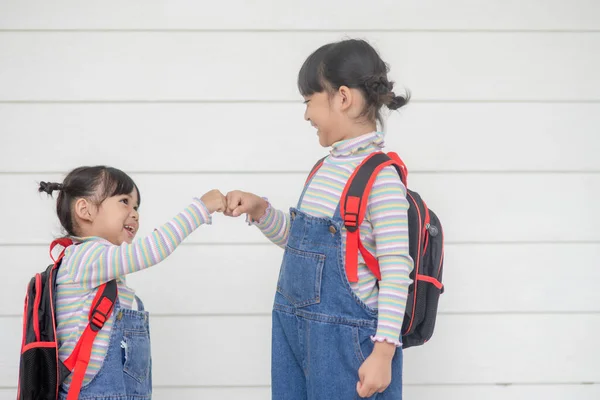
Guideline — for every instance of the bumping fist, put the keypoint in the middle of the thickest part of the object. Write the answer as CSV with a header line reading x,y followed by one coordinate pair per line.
x,y
239,203
215,201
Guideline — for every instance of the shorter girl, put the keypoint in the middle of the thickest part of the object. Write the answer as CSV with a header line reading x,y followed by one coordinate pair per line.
x,y
98,209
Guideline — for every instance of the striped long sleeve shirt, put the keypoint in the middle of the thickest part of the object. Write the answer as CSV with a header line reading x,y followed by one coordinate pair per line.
x,y
93,261
384,232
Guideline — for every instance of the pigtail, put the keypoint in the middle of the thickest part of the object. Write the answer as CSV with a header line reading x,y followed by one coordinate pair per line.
x,y
50,187
396,102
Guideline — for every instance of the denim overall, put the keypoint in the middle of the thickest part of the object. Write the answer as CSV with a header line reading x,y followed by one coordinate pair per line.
x,y
126,373
321,329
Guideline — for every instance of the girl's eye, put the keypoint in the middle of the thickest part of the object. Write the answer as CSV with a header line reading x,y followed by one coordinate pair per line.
x,y
136,208
125,201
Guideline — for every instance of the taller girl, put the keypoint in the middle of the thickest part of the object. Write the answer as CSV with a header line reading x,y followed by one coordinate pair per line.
x,y
334,338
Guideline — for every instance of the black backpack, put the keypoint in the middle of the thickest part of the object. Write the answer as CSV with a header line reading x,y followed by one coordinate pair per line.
x,y
41,372
426,241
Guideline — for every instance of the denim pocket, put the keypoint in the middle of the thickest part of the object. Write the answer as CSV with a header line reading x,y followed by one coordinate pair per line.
x,y
136,345
363,344
300,277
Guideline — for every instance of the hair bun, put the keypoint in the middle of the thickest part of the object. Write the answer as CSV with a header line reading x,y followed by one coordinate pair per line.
x,y
378,86
50,187
380,91
396,102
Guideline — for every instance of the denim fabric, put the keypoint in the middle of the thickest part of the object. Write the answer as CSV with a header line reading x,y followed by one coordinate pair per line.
x,y
126,373
321,330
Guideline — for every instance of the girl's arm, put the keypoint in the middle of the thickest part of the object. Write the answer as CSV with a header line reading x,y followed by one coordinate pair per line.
x,y
274,224
388,211
96,261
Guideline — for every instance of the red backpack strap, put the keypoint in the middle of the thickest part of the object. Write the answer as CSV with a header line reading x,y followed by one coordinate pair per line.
x,y
64,242
400,166
78,361
353,207
314,170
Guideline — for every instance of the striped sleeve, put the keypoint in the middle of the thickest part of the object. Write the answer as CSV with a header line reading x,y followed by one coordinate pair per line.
x,y
95,262
275,226
388,213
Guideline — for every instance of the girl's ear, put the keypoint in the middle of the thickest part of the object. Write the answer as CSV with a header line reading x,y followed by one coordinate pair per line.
x,y
84,210
346,98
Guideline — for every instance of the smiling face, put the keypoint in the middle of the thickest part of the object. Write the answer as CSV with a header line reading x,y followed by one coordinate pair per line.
x,y
116,219
337,116
322,116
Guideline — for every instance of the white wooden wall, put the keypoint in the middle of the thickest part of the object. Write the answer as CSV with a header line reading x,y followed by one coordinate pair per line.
x,y
502,139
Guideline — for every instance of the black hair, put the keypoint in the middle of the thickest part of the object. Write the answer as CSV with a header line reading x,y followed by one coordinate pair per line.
x,y
353,63
95,183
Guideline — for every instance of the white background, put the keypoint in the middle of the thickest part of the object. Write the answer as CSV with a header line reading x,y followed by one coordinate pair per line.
x,y
502,140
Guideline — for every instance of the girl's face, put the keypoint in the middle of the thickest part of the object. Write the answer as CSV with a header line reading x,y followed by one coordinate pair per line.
x,y
116,219
323,115
337,116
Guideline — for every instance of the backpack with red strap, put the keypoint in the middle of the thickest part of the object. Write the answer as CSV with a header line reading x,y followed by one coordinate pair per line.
x,y
426,244
41,372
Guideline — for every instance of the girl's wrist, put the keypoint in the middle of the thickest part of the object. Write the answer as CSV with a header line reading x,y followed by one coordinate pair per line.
x,y
259,210
384,350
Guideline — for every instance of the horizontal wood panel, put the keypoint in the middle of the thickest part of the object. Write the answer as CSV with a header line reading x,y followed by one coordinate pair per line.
x,y
190,137
512,392
471,349
478,278
270,14
228,66
472,207
411,392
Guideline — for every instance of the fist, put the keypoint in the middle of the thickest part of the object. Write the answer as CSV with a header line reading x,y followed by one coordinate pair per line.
x,y
239,203
214,201
375,374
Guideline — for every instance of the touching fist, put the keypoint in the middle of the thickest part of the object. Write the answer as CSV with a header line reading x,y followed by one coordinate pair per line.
x,y
214,201
239,203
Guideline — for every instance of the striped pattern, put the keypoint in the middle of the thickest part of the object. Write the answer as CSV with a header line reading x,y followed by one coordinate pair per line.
x,y
95,261
384,231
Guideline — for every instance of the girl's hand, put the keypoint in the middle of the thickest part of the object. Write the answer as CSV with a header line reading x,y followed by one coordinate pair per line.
x,y
376,372
239,203
214,201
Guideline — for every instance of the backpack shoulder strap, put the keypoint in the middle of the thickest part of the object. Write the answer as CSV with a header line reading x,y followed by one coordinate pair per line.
x,y
64,243
101,309
353,207
314,170
400,166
